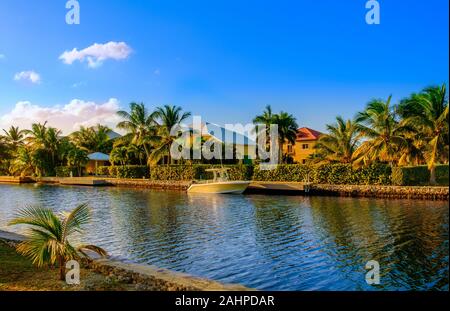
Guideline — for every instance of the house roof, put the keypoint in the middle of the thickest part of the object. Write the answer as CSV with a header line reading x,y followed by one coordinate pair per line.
x,y
224,135
98,156
306,133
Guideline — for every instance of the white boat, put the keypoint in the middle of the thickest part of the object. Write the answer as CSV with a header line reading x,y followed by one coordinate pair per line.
x,y
221,184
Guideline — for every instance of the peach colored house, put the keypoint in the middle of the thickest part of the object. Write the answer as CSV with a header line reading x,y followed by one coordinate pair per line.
x,y
304,145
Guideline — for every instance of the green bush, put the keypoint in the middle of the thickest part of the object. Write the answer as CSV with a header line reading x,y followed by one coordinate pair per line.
x,y
129,171
103,170
283,172
336,174
191,172
64,171
419,175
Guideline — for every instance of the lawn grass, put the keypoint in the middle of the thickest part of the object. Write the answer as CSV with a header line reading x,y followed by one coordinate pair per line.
x,y
18,274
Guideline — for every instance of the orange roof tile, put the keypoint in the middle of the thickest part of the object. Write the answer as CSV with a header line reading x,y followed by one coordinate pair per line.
x,y
306,133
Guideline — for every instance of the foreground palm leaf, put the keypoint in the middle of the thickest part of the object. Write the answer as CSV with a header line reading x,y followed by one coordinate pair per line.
x,y
48,238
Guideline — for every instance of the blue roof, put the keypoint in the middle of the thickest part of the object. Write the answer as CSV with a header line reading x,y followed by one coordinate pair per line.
x,y
98,156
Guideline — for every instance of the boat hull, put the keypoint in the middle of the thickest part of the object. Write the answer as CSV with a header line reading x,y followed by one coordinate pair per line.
x,y
232,187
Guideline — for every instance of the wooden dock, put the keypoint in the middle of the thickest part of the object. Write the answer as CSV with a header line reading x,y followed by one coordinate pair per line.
x,y
83,181
16,180
74,181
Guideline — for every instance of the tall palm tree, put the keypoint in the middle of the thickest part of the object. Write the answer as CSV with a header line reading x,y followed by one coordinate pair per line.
x,y
287,127
14,137
427,111
168,117
48,241
382,132
140,125
287,130
339,144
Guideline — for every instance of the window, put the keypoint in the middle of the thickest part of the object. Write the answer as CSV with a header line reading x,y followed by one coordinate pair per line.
x,y
305,146
289,148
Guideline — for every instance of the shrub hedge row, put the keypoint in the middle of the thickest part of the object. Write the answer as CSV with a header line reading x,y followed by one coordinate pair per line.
x,y
337,174
377,174
190,172
419,175
127,171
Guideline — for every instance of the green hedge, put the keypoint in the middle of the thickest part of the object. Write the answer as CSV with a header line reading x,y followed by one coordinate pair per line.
x,y
190,172
376,174
340,174
419,175
336,174
103,170
129,171
64,171
284,172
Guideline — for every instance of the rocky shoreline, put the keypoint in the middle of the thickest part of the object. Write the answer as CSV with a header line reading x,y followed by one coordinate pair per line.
x,y
387,192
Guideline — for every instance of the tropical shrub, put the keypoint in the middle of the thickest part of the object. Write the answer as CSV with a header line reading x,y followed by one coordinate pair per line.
x,y
336,174
190,172
419,175
129,171
64,171
48,239
103,170
284,172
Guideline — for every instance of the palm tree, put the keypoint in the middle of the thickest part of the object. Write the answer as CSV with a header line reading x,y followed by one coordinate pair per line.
x,y
287,130
287,127
169,116
382,132
14,137
139,124
44,143
23,163
427,112
266,118
77,158
48,239
119,155
339,144
93,139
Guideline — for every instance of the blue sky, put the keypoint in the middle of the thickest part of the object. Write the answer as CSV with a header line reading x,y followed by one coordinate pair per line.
x,y
223,60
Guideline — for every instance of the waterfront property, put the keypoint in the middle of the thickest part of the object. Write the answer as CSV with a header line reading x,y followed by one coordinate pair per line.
x,y
303,148
262,242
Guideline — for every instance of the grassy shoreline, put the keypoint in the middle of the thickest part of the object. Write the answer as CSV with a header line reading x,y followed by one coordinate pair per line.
x,y
18,274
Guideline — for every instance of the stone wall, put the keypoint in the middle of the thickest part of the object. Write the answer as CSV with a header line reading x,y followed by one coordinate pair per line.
x,y
391,192
151,184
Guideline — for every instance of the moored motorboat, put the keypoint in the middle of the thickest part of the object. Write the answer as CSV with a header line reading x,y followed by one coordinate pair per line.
x,y
221,184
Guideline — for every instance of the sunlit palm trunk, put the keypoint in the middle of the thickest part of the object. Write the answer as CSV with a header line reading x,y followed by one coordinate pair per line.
x,y
62,269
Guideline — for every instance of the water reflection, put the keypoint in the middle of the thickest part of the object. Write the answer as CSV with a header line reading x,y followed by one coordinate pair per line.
x,y
265,242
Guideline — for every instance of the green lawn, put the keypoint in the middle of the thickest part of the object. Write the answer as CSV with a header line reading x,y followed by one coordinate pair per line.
x,y
18,274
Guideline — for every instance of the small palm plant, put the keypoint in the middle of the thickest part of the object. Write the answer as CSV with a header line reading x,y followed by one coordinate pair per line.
x,y
48,238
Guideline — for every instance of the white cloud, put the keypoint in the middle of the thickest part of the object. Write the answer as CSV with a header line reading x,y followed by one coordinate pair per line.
x,y
30,76
68,118
96,54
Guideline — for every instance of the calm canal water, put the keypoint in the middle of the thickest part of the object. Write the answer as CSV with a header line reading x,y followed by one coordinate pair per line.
x,y
264,242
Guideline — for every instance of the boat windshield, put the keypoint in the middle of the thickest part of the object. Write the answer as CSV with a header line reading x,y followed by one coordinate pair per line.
x,y
219,174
